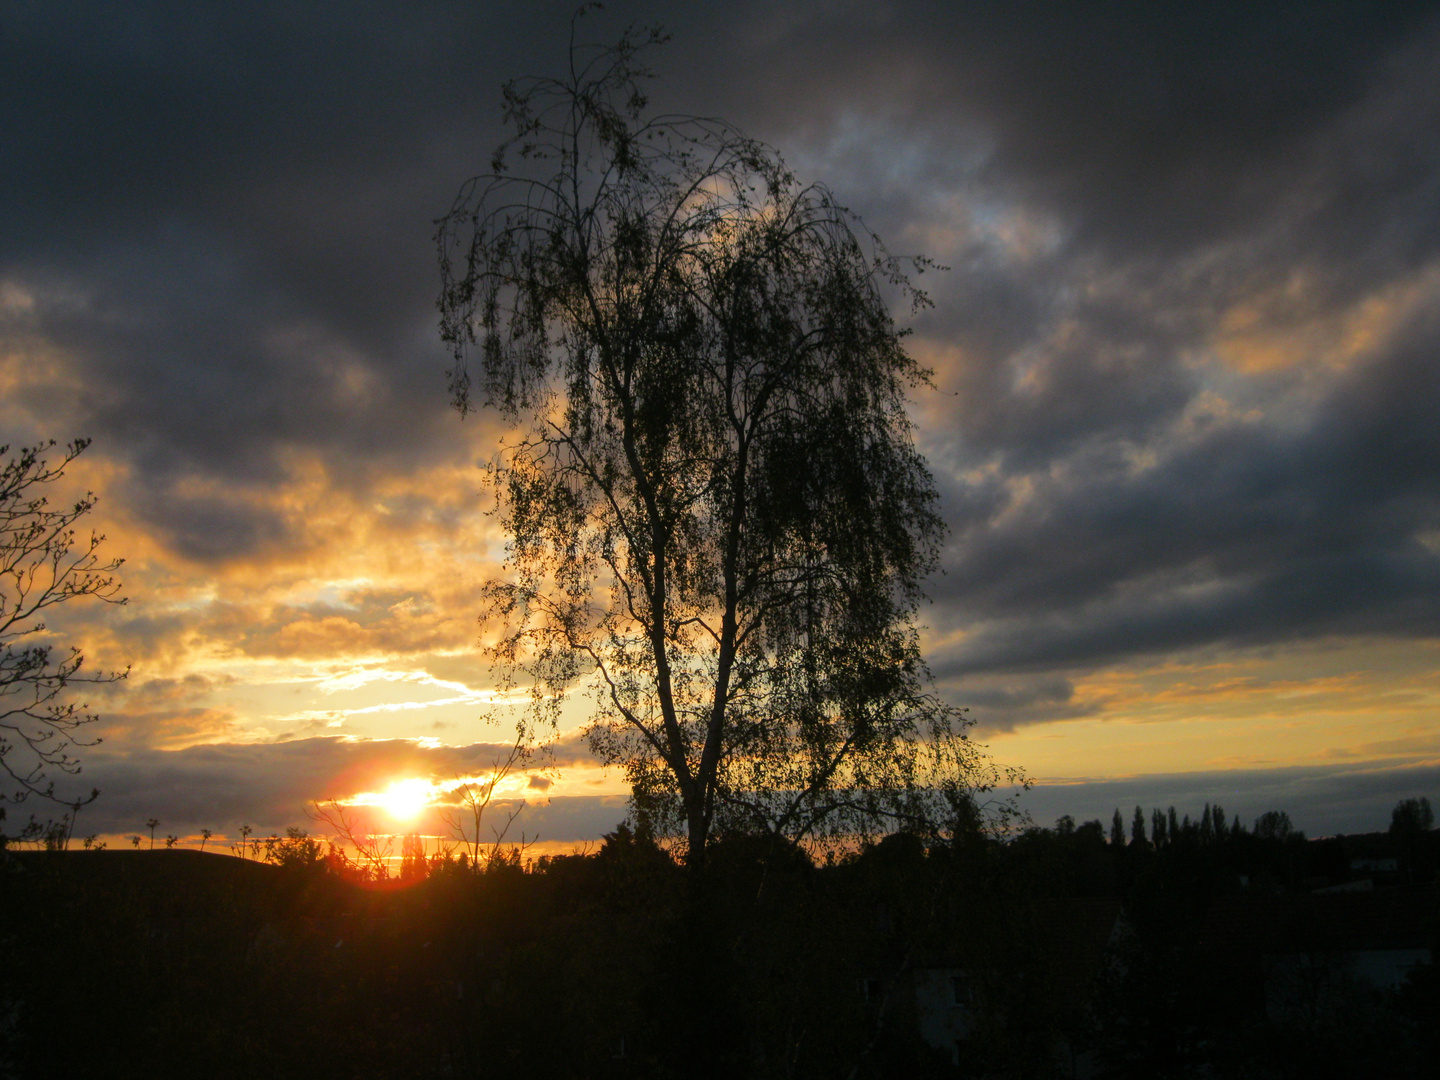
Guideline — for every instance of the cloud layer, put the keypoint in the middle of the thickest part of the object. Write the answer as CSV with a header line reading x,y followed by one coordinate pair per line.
x,y
1185,355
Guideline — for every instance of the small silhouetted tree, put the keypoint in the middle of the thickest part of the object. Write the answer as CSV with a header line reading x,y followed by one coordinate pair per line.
x,y
1137,828
413,864
1275,825
296,851
371,858
44,563
1117,829
205,835
1410,825
1411,817
467,819
150,824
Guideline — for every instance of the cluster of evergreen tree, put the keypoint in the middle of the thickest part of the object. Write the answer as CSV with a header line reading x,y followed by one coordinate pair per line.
x,y
1166,828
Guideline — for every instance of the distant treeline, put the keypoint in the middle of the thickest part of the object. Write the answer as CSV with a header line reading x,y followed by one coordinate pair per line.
x,y
1056,953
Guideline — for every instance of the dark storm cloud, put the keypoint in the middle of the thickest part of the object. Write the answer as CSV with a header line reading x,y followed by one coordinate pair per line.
x,y
1184,187
1249,535
224,218
1005,701
1130,118
1136,117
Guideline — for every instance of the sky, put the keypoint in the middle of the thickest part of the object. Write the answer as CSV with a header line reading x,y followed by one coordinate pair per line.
x,y
1183,420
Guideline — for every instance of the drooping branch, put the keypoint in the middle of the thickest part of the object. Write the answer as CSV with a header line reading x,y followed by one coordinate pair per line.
x,y
718,518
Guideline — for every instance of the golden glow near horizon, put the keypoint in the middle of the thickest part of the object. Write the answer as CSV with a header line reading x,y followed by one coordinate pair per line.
x,y
1259,709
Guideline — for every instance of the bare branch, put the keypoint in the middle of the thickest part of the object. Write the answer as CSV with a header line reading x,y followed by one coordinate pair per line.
x,y
45,562
466,820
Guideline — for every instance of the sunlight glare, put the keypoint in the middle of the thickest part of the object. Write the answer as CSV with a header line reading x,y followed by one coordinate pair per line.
x,y
404,799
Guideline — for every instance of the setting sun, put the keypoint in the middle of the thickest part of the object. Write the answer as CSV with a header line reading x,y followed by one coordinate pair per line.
x,y
404,799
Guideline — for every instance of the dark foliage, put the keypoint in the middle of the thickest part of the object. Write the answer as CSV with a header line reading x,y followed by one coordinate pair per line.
x,y
1054,953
